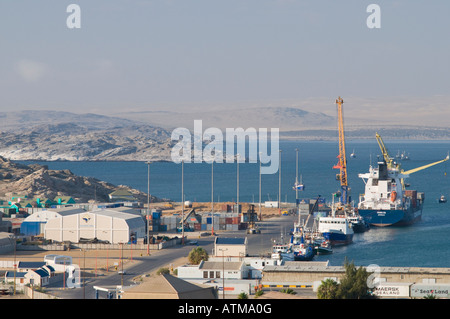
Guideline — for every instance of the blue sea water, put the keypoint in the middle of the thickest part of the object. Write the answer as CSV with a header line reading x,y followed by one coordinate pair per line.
x,y
424,244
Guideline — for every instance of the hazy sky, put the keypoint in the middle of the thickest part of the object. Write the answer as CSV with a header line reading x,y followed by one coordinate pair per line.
x,y
166,54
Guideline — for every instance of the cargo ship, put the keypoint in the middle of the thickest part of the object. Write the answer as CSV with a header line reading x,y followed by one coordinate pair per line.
x,y
385,202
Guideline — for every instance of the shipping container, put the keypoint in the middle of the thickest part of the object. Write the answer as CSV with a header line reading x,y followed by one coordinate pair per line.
x,y
243,226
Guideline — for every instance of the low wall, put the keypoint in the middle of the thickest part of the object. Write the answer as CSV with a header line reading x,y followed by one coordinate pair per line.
x,y
165,244
41,247
33,294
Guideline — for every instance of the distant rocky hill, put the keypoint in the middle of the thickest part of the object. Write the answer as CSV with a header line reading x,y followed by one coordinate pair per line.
x,y
38,181
146,136
284,118
51,136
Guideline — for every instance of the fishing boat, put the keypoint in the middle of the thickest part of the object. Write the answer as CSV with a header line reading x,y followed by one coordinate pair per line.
x,y
302,249
442,199
358,223
299,187
336,229
282,252
321,246
353,154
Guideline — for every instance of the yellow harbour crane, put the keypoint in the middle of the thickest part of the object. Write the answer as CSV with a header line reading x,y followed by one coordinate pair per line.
x,y
342,164
391,164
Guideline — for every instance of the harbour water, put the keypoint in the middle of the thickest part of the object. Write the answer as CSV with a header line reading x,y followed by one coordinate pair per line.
x,y
424,244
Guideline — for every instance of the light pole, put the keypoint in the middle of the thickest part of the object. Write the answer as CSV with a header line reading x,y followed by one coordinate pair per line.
x,y
223,271
279,183
148,208
121,261
237,186
296,177
260,216
212,197
13,237
182,202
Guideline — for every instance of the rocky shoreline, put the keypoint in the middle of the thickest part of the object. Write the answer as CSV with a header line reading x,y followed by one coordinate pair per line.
x,y
37,181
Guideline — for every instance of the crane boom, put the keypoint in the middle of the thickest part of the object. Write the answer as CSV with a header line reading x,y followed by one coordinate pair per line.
x,y
392,165
342,165
388,159
425,166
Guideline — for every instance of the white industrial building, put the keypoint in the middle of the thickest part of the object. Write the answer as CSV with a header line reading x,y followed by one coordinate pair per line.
x,y
35,223
115,225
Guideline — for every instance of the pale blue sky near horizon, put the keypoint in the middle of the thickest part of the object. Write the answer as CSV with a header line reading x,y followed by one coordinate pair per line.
x,y
142,55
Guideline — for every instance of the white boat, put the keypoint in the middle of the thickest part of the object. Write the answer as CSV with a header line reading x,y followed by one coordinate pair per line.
x,y
337,229
353,154
282,252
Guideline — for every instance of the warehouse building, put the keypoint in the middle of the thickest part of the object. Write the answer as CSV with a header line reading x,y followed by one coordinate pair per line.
x,y
35,223
113,225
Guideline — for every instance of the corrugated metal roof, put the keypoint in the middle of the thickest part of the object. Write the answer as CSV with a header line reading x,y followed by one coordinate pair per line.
x,y
49,213
129,215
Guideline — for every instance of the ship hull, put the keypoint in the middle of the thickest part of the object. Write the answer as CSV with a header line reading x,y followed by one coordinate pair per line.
x,y
304,257
338,238
394,217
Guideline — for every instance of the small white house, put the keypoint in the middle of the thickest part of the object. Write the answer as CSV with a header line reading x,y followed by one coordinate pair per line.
x,y
212,270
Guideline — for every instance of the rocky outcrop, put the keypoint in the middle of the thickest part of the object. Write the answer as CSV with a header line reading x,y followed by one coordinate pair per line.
x,y
38,181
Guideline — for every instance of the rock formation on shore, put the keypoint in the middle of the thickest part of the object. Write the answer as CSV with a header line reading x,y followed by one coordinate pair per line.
x,y
37,181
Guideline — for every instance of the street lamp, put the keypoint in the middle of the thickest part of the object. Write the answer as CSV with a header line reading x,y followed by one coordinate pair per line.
x,y
223,271
296,177
13,237
182,202
237,186
212,197
279,183
260,216
148,208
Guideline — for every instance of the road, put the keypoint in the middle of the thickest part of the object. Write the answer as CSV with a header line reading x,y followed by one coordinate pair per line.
x,y
258,244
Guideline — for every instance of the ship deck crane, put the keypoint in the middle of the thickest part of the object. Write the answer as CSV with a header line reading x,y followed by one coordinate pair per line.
x,y
342,164
393,165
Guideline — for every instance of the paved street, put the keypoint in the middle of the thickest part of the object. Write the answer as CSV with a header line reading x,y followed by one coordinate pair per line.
x,y
258,244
